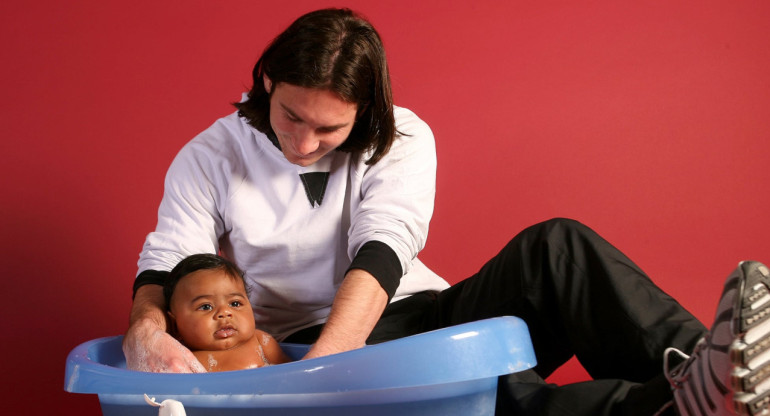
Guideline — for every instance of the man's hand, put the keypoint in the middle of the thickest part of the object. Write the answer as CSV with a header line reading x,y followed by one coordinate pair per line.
x,y
357,307
147,346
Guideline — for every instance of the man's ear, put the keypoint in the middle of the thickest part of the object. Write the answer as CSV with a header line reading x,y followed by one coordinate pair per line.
x,y
268,83
361,109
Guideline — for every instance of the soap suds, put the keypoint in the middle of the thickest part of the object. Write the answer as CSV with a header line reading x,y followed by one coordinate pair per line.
x,y
212,362
262,355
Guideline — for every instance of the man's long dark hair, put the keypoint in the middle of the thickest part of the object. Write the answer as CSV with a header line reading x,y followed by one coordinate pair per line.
x,y
336,50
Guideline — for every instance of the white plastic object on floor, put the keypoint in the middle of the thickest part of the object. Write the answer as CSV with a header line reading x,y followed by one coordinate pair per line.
x,y
168,407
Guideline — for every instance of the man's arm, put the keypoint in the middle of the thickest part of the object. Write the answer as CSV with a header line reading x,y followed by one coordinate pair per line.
x,y
146,345
357,307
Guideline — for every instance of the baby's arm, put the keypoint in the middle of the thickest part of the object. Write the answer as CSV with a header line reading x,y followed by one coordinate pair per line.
x,y
273,352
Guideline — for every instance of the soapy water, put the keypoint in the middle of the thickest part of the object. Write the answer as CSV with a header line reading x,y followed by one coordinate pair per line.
x,y
160,339
158,366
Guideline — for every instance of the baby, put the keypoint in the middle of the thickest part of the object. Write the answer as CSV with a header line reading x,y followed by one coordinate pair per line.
x,y
210,314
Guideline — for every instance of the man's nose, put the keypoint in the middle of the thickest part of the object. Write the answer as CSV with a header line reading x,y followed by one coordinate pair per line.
x,y
306,142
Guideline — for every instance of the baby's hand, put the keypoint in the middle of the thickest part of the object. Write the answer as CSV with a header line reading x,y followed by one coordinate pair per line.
x,y
149,348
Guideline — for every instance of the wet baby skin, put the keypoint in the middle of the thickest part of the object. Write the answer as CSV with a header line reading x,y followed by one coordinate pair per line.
x,y
211,315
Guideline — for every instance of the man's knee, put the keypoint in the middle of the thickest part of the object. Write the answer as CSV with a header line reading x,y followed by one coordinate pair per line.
x,y
556,228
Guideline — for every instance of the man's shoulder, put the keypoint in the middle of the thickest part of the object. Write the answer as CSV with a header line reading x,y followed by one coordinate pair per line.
x,y
408,123
228,140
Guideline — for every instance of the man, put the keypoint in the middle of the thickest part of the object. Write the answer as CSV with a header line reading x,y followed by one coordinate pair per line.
x,y
322,191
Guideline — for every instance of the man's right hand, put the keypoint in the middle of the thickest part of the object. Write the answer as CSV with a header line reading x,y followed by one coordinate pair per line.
x,y
147,346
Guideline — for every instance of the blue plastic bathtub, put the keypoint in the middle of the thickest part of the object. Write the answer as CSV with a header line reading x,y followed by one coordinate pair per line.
x,y
451,371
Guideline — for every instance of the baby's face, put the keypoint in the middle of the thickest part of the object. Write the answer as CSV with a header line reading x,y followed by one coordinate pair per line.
x,y
211,311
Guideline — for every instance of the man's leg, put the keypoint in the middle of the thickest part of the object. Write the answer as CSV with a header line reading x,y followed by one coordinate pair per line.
x,y
527,394
579,295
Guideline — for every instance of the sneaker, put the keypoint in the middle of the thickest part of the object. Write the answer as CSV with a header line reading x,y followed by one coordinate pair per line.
x,y
728,372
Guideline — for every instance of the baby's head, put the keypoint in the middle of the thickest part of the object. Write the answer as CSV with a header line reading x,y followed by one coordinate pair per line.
x,y
207,302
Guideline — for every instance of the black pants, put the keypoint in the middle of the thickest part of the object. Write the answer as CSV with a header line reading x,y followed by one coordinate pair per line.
x,y
579,296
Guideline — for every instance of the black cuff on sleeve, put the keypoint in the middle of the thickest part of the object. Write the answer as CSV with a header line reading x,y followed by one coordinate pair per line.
x,y
380,261
149,277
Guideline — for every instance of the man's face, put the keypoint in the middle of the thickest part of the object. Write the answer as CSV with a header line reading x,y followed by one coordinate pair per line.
x,y
211,311
309,122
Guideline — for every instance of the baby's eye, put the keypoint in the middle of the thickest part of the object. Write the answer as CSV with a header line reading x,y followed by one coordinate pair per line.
x,y
236,303
206,307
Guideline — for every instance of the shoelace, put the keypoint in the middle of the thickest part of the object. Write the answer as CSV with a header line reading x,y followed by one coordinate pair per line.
x,y
666,364
669,376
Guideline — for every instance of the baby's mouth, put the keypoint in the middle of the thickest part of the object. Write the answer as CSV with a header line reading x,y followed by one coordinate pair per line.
x,y
225,332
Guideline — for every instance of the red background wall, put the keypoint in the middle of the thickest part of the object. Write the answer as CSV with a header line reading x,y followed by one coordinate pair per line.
x,y
648,122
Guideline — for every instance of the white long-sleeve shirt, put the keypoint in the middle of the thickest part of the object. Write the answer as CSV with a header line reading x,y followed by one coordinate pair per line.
x,y
231,189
